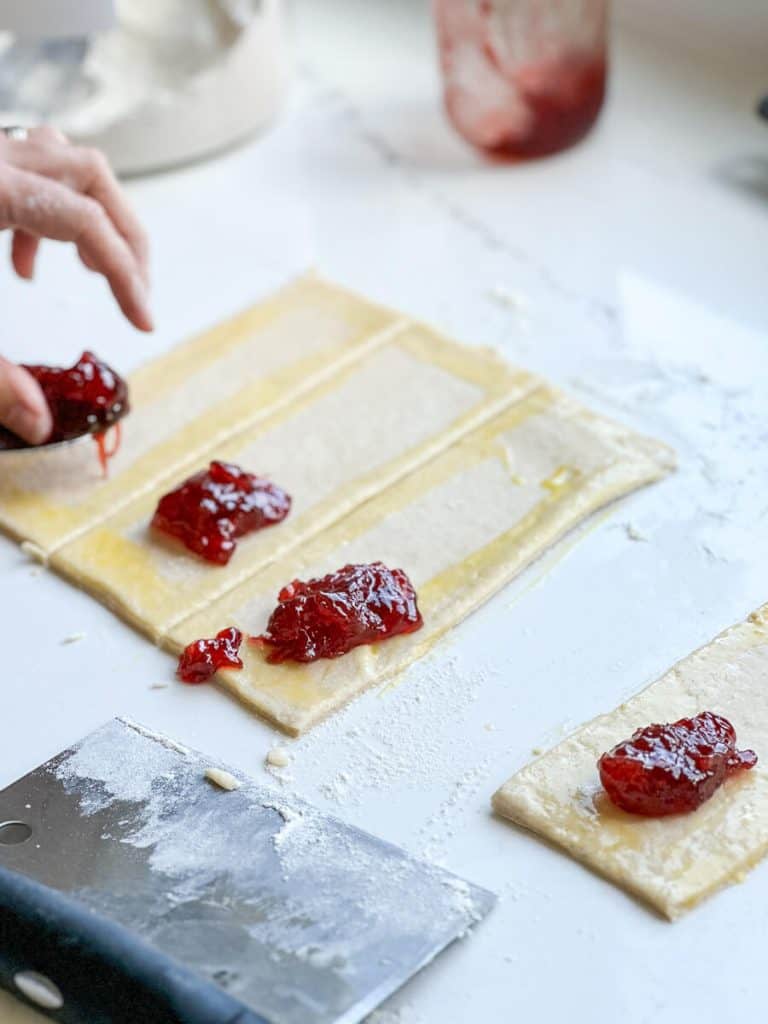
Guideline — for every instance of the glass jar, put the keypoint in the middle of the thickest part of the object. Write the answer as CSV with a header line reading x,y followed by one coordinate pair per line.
x,y
523,78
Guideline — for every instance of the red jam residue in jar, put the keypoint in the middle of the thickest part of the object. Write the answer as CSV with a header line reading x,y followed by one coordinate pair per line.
x,y
522,78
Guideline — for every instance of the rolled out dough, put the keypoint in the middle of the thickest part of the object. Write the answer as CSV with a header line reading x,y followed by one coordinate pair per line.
x,y
674,862
462,526
203,391
374,421
395,444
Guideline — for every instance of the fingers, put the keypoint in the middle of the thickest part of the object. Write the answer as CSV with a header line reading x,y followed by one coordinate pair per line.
x,y
48,154
102,249
99,182
47,134
46,151
23,408
42,207
23,254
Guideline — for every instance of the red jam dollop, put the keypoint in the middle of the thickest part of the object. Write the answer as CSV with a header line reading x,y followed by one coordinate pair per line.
x,y
86,398
203,658
210,510
673,768
327,617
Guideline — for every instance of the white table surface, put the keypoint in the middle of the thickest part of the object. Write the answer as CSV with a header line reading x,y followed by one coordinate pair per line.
x,y
637,263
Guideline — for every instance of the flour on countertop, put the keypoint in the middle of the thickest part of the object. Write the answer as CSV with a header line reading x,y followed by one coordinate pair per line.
x,y
633,533
404,739
390,744
73,638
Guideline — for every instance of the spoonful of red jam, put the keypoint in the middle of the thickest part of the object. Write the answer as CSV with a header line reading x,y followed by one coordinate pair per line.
x,y
87,398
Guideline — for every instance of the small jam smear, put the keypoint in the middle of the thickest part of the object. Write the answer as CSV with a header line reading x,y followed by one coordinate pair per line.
x,y
210,510
87,398
672,769
327,617
108,445
203,658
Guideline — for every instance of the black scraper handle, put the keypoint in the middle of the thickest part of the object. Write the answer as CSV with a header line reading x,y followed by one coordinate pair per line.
x,y
103,972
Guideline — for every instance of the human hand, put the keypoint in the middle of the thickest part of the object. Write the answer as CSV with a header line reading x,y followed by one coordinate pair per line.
x,y
51,189
23,408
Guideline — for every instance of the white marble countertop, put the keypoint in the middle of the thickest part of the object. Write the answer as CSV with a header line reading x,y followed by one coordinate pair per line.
x,y
631,271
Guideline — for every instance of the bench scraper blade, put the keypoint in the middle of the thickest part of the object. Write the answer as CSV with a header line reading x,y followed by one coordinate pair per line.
x,y
299,917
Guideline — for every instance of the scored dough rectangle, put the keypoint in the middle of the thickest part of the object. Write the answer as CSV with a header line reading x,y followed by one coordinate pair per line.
x,y
462,526
376,420
203,390
672,862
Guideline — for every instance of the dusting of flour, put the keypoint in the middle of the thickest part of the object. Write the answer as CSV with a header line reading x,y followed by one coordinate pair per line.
x,y
319,906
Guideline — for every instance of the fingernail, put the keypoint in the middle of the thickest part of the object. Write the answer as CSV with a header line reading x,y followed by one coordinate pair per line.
x,y
29,425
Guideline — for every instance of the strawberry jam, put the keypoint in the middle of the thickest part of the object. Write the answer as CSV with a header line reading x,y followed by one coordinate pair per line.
x,y
525,78
87,398
210,510
327,617
106,450
671,769
203,658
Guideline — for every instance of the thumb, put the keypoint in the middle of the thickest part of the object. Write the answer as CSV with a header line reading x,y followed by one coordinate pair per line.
x,y
23,408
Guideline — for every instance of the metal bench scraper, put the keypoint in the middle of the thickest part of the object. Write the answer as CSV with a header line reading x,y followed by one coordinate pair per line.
x,y
133,889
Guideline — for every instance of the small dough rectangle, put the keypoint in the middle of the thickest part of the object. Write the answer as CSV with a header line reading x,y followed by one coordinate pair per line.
x,y
675,862
462,526
373,422
205,389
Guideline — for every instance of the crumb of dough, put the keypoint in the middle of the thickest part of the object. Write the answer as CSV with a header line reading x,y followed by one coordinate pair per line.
x,y
34,551
278,757
223,779
633,533
73,638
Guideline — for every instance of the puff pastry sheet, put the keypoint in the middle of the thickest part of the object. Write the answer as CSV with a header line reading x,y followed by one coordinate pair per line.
x,y
672,863
395,444
374,421
202,391
462,526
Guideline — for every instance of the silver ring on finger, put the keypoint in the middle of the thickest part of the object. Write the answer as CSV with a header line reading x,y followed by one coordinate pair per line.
x,y
17,132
